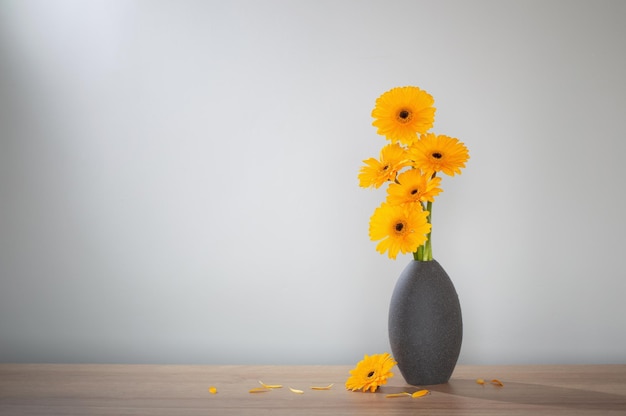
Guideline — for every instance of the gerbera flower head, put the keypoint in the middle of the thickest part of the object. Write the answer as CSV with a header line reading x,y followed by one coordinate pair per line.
x,y
438,153
413,186
393,157
371,372
403,112
402,228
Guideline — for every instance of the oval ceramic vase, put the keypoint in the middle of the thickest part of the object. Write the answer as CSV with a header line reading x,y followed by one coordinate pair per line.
x,y
425,325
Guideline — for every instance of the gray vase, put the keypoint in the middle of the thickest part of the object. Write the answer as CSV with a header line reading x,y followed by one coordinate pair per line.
x,y
425,325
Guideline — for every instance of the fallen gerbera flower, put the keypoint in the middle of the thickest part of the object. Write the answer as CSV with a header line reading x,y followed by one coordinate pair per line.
x,y
371,372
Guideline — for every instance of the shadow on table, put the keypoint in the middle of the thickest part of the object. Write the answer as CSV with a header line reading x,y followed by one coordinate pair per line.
x,y
534,394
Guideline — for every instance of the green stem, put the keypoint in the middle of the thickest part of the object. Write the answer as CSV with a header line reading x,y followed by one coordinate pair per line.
x,y
425,251
419,254
428,246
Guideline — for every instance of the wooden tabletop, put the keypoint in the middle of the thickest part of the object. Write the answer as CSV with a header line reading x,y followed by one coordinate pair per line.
x,y
77,389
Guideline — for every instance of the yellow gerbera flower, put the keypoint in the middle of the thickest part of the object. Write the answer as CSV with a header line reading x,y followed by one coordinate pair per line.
x,y
393,157
402,228
438,153
413,186
403,112
371,372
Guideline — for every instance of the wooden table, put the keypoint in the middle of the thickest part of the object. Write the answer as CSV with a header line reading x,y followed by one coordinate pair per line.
x,y
76,389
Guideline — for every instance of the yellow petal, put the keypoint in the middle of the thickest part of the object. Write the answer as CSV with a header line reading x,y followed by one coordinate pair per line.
x,y
212,390
322,387
259,390
393,395
480,381
296,391
271,386
420,393
497,382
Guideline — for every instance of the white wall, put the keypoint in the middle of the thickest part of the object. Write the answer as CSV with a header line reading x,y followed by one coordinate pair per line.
x,y
178,179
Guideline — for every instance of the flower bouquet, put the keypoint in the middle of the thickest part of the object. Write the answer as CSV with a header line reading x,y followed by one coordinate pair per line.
x,y
409,164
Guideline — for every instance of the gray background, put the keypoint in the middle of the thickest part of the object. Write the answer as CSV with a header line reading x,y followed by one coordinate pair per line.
x,y
178,179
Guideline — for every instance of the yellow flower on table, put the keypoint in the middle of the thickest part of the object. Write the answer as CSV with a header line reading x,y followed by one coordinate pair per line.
x,y
413,186
403,112
371,372
439,153
402,228
393,157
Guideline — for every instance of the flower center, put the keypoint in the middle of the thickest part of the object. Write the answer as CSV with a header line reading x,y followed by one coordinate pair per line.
x,y
437,155
404,116
371,373
399,227
413,192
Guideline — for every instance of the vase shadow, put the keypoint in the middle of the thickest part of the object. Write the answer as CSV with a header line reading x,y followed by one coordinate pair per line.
x,y
534,394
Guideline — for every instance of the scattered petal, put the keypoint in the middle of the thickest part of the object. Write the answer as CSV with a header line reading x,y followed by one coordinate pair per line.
x,y
271,386
296,391
394,395
212,390
420,393
322,387
497,382
259,390
480,381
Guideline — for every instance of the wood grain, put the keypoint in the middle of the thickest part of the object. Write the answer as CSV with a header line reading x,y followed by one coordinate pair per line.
x,y
77,389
